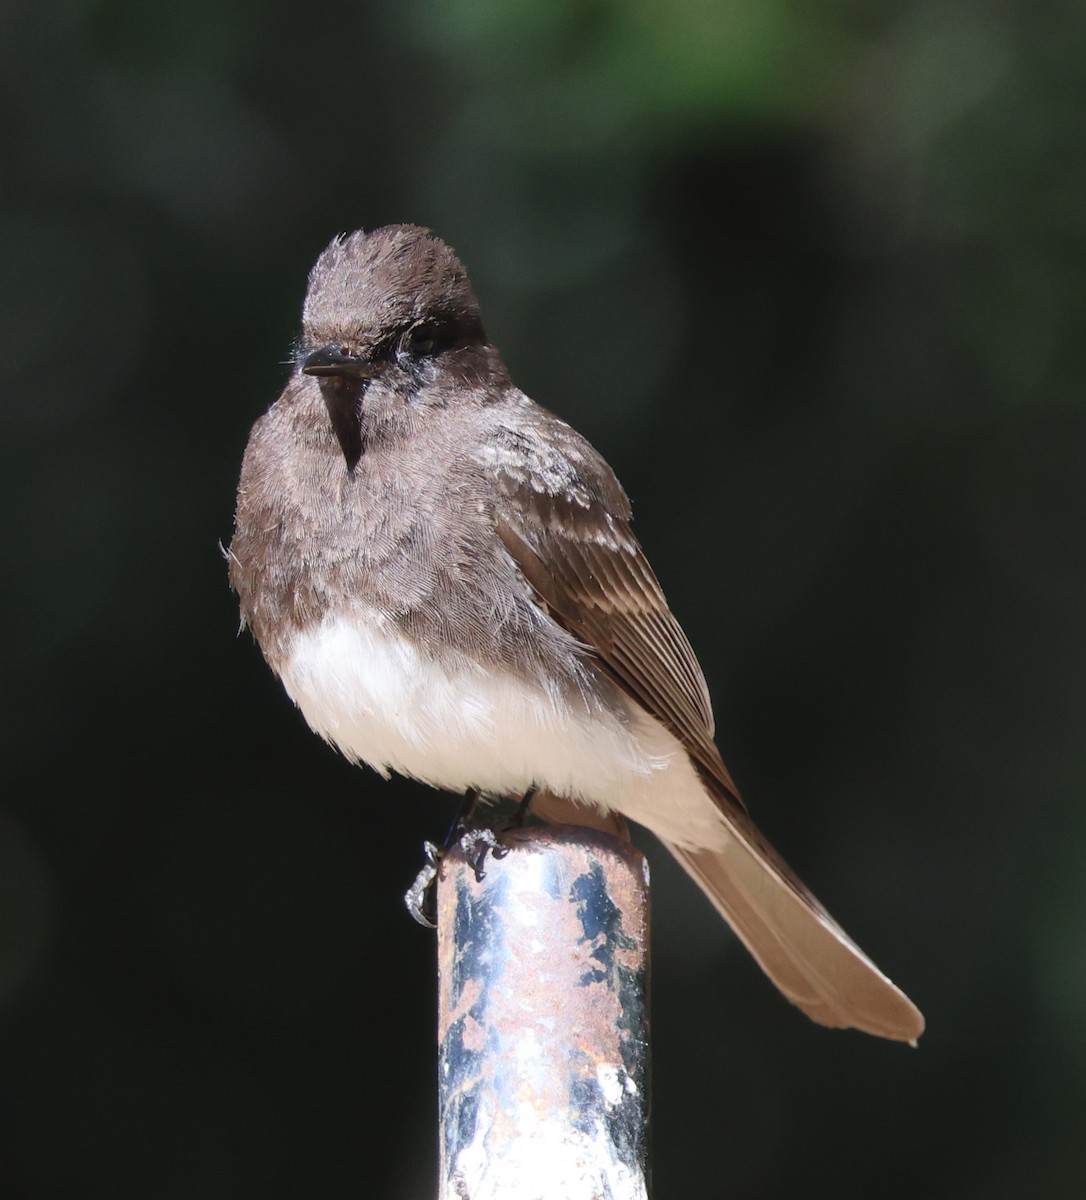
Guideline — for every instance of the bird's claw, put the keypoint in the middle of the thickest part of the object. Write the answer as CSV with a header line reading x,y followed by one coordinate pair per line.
x,y
417,896
475,843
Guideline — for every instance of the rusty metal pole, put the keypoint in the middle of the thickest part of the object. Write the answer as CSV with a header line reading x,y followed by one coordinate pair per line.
x,y
543,1020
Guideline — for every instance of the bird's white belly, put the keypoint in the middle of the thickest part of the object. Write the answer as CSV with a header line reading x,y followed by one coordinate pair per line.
x,y
379,699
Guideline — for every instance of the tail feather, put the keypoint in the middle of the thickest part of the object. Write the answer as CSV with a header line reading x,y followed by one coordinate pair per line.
x,y
798,945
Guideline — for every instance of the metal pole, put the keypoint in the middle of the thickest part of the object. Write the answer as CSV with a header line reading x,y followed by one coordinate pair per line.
x,y
543,1020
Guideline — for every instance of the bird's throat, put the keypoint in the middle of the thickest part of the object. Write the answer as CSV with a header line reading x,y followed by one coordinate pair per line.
x,y
343,400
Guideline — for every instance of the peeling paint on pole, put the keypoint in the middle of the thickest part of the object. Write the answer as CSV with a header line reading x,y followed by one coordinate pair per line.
x,y
543,1022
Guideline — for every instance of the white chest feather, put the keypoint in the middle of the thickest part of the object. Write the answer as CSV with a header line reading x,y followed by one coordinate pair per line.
x,y
371,693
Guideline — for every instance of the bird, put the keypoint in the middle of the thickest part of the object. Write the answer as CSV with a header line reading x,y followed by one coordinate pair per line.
x,y
444,576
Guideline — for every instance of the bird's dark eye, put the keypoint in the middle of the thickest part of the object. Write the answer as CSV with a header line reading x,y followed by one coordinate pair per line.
x,y
420,341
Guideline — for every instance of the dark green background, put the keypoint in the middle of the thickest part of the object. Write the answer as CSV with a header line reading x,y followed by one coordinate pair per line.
x,y
813,278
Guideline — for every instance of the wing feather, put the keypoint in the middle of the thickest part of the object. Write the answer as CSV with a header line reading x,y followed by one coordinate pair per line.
x,y
586,566
564,521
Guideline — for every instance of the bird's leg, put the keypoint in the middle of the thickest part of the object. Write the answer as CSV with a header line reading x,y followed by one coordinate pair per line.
x,y
521,815
474,842
417,897
464,811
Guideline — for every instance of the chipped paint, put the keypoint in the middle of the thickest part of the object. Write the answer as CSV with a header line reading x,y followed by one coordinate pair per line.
x,y
543,1030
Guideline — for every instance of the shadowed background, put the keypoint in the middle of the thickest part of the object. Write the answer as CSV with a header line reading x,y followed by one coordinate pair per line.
x,y
814,282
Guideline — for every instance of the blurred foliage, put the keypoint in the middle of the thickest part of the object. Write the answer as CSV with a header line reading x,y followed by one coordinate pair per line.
x,y
813,277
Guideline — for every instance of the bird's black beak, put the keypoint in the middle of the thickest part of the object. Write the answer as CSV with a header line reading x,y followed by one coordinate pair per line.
x,y
337,360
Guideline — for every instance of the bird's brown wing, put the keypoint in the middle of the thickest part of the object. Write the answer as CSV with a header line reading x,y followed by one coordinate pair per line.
x,y
587,568
565,523
585,565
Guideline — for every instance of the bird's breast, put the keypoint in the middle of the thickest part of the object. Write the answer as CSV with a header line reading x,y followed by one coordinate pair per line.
x,y
384,699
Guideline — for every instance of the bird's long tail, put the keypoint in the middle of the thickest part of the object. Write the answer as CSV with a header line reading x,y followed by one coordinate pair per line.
x,y
798,945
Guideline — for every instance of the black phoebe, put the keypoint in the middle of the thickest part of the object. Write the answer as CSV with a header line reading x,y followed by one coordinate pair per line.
x,y
443,575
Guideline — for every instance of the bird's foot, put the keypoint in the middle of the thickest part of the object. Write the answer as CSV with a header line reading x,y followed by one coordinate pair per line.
x,y
475,843
419,896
